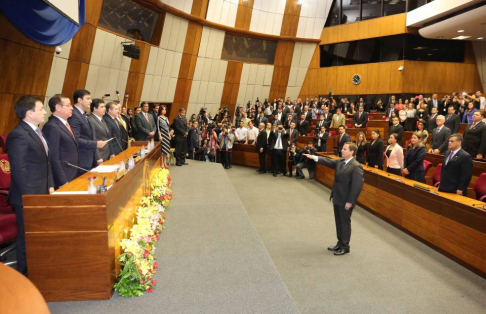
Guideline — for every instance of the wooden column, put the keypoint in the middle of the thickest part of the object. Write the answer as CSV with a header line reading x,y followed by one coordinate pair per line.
x,y
199,8
244,13
281,70
231,85
81,49
291,18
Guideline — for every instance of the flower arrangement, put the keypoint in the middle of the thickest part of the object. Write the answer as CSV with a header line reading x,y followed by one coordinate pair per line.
x,y
137,261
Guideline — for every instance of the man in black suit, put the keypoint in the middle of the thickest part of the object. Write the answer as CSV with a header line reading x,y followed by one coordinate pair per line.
x,y
342,139
193,139
303,125
391,104
431,121
457,168
361,103
305,162
434,103
440,137
396,128
83,132
322,123
452,120
30,168
327,117
361,118
126,120
475,136
444,105
136,111
261,118
308,114
114,127
261,147
278,144
100,130
145,124
348,182
293,134
154,111
180,131
63,146
390,110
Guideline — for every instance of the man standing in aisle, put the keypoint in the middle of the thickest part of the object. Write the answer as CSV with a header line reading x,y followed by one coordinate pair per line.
x,y
31,172
348,182
83,132
180,131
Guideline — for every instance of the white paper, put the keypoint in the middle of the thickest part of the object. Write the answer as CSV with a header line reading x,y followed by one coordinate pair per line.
x,y
71,192
106,169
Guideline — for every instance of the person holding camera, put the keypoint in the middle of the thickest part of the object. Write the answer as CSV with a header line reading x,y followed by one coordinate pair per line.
x,y
261,147
279,145
304,162
225,144
294,155
321,139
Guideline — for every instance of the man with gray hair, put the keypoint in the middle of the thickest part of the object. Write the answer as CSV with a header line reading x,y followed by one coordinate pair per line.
x,y
440,136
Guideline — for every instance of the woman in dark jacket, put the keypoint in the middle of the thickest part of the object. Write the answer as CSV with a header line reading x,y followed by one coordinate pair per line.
x,y
375,150
413,164
361,143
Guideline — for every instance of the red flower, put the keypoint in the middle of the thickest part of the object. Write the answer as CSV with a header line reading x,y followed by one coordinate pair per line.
x,y
140,271
155,265
153,282
146,253
149,290
142,282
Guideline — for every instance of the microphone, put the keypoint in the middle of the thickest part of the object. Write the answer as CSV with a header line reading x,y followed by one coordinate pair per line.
x,y
121,149
103,187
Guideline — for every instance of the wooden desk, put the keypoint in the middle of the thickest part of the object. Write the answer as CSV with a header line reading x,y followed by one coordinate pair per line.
x,y
447,222
72,239
450,223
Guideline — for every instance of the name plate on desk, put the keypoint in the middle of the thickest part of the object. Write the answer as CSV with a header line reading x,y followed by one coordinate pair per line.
x,y
120,174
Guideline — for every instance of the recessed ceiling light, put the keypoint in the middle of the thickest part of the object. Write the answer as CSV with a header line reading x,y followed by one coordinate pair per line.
x,y
480,38
461,37
460,31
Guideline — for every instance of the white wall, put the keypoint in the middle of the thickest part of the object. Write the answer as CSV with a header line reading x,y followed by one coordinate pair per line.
x,y
313,14
108,68
267,16
480,52
208,82
256,80
183,5
165,61
303,53
222,12
58,74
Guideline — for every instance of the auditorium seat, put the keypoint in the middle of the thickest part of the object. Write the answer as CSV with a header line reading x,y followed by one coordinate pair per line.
x,y
436,175
427,165
332,133
4,184
480,187
3,143
370,117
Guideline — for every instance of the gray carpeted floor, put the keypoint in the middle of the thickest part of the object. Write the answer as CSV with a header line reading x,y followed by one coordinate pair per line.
x,y
387,271
211,258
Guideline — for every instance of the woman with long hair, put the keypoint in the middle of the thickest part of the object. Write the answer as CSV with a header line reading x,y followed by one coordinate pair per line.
x,y
374,151
421,129
413,163
470,110
394,155
360,141
163,128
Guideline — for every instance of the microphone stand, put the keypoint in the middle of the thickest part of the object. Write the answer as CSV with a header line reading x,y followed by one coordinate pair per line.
x,y
103,186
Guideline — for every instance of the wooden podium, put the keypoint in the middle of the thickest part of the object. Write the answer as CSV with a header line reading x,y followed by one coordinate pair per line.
x,y
72,240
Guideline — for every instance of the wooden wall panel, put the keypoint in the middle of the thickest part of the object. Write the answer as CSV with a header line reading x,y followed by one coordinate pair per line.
x,y
290,21
243,15
199,8
281,70
231,85
383,26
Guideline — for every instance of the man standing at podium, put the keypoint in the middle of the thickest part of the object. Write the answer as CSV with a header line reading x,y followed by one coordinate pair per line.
x,y
348,182
28,153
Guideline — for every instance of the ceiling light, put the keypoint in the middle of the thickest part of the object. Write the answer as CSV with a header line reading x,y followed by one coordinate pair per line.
x,y
461,37
460,31
299,2
480,38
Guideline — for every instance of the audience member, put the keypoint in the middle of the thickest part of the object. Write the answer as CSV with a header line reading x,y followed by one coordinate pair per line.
x,y
252,133
374,151
100,130
145,124
338,119
278,144
180,132
321,139
474,141
262,147
394,156
305,162
224,139
396,128
467,117
440,137
362,145
431,122
452,120
361,118
457,168
137,110
241,133
413,162
114,127
342,139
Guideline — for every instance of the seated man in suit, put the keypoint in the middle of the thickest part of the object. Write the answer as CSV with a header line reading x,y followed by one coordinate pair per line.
x,y
63,146
360,118
452,120
440,137
304,162
303,125
87,144
475,136
343,138
457,168
397,128
100,131
114,127
145,124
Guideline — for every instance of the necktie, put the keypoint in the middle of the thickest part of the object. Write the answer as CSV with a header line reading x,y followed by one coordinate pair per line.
x,y
290,133
146,117
116,122
340,138
448,117
450,157
278,141
122,122
473,125
69,128
39,133
359,115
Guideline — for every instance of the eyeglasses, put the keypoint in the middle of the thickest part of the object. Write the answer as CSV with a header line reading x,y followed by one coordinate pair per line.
x,y
63,105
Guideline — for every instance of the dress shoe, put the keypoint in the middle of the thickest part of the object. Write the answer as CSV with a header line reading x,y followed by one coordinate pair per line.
x,y
300,178
341,252
274,174
333,248
285,175
262,172
179,165
258,170
185,164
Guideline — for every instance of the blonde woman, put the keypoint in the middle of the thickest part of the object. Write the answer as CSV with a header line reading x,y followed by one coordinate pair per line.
x,y
361,143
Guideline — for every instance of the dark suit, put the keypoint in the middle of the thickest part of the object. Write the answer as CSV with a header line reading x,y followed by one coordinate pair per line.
x,y
475,140
86,141
262,142
456,172
127,122
278,155
308,116
453,122
323,138
31,173
387,112
259,120
180,129
192,141
114,127
361,120
374,154
303,127
348,182
101,133
294,137
432,123
305,162
396,129
155,116
341,141
62,147
440,140
144,127
414,162
319,124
